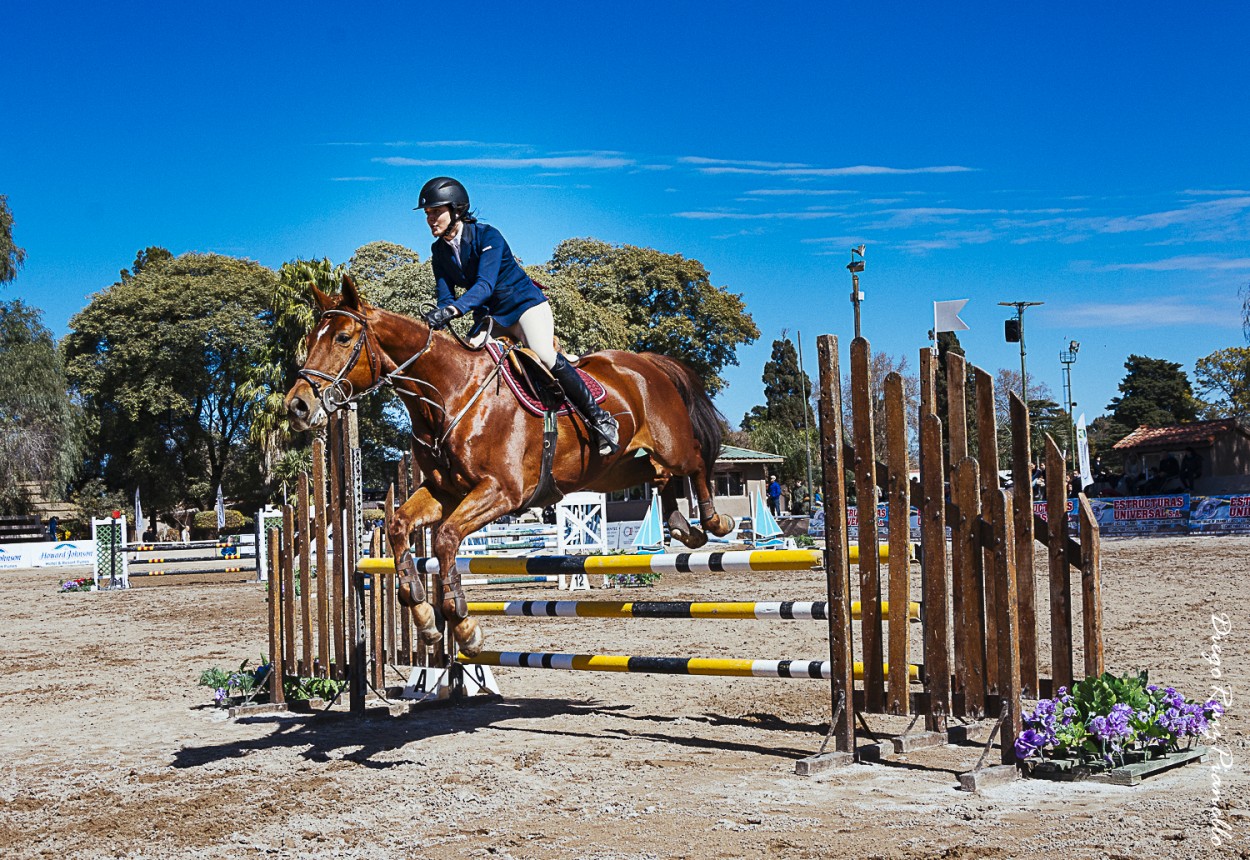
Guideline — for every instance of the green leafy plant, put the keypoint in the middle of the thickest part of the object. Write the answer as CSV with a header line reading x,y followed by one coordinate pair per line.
x,y
240,682
302,689
1106,718
82,584
636,580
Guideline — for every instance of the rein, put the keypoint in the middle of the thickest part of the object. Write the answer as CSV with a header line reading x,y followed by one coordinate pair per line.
x,y
338,391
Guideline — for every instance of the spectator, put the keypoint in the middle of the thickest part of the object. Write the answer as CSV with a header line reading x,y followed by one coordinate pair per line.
x,y
53,522
774,496
800,500
1191,468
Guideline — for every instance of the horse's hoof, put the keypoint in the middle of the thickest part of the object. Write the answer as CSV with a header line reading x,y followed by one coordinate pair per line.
x,y
720,525
694,539
423,614
469,637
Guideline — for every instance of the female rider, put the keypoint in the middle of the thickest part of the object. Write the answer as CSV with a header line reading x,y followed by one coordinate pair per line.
x,y
475,258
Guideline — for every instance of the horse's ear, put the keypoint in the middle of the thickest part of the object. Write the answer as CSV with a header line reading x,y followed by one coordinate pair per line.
x,y
324,302
351,296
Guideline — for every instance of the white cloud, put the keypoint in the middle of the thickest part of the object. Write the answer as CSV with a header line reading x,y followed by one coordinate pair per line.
x,y
728,162
757,216
856,170
1208,192
1139,313
563,162
1184,263
795,192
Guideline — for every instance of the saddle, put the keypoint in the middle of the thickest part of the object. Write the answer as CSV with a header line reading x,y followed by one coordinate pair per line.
x,y
532,383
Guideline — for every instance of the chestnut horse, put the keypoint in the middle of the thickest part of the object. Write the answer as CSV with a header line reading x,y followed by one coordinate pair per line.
x,y
481,452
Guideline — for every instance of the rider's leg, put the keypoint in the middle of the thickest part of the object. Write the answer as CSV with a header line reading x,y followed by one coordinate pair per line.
x,y
538,330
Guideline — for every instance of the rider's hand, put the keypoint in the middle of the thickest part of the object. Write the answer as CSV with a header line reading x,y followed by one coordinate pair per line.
x,y
439,317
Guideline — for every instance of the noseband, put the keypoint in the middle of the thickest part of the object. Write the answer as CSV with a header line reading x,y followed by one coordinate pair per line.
x,y
338,389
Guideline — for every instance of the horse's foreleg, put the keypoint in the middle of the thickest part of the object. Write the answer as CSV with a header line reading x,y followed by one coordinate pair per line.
x,y
484,504
420,510
718,524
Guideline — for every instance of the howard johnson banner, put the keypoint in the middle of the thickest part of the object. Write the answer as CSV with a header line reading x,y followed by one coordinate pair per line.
x,y
78,553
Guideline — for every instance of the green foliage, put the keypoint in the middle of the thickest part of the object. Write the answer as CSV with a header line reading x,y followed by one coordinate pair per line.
x,y
40,428
658,302
393,277
235,521
225,685
303,689
11,256
1154,392
93,500
160,360
787,392
1223,379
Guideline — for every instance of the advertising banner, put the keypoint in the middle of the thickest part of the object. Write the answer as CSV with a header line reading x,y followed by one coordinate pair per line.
x,y
46,554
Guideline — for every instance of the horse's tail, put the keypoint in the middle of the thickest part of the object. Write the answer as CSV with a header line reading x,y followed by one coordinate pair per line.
x,y
705,418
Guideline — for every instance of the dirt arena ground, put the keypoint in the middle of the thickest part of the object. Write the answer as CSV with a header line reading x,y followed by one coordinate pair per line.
x,y
110,750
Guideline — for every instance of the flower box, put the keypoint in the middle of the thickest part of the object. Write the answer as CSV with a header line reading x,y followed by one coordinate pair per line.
x,y
1135,768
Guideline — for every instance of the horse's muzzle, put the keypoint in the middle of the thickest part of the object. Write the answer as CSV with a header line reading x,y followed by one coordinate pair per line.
x,y
304,408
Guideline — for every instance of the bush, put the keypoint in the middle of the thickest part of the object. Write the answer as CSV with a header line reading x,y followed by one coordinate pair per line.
x,y
236,523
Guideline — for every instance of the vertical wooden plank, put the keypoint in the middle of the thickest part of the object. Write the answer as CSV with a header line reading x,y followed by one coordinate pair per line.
x,y
324,576
837,550
956,408
928,382
351,502
334,521
936,590
1007,610
866,503
987,458
1022,522
1091,590
277,668
357,670
969,620
288,588
305,577
899,694
1060,572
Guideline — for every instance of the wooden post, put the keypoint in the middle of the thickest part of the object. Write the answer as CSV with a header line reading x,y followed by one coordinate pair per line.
x,y
288,588
357,670
325,578
276,667
900,537
305,578
1091,590
956,408
1001,508
969,619
334,521
866,504
987,458
936,592
837,551
1022,521
1060,572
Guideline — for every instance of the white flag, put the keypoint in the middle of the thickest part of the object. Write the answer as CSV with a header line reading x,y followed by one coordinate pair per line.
x,y
946,316
140,525
1082,451
221,509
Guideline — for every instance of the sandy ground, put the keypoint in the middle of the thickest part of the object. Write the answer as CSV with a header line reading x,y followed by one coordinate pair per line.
x,y
110,750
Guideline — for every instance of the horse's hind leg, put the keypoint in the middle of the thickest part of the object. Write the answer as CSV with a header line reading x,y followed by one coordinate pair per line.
x,y
484,504
420,510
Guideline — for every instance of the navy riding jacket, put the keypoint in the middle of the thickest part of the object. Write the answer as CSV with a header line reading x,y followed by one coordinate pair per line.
x,y
492,281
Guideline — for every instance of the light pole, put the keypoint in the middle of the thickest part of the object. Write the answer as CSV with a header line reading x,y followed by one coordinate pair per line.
x,y
855,267
1014,331
1068,358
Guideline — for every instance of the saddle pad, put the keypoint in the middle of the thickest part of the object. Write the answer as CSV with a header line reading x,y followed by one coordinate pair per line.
x,y
527,400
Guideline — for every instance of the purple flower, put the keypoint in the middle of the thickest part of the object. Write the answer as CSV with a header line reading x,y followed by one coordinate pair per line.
x,y
220,695
1030,743
1214,709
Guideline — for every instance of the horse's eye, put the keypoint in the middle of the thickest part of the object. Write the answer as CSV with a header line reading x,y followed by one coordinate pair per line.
x,y
343,337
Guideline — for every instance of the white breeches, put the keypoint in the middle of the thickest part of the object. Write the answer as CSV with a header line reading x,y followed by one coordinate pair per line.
x,y
536,329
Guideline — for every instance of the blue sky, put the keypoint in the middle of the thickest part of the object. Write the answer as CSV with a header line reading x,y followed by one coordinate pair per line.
x,y
1091,156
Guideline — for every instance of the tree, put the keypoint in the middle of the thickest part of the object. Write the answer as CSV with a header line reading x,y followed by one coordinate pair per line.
x,y
1223,379
393,277
662,303
160,361
1154,392
40,430
11,256
947,343
1045,417
881,365
787,391
1245,311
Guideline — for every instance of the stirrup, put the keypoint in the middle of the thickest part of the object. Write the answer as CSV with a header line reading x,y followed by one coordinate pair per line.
x,y
609,439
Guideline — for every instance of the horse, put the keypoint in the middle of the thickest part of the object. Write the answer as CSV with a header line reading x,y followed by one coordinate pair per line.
x,y
482,455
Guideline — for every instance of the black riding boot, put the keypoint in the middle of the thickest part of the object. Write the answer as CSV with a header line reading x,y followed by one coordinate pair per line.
x,y
603,424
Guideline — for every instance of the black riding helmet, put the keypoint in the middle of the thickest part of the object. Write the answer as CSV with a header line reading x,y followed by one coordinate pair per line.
x,y
444,191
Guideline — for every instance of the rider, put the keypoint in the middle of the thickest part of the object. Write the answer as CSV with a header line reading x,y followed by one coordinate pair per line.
x,y
475,258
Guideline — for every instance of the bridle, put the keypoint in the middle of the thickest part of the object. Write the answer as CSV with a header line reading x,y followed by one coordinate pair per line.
x,y
338,390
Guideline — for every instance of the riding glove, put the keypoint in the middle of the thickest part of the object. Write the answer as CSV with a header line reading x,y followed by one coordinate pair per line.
x,y
439,317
